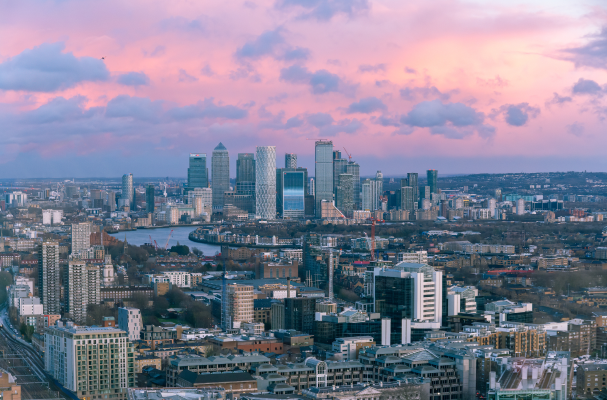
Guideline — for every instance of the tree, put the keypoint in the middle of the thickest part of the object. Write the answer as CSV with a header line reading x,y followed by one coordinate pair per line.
x,y
6,279
197,252
182,250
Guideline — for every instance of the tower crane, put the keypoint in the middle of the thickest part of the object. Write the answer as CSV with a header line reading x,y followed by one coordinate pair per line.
x,y
349,155
169,238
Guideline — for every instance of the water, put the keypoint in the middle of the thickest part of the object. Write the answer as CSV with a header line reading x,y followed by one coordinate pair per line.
x,y
180,234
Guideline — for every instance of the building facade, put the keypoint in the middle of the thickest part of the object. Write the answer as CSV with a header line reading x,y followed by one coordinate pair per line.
x,y
49,278
323,174
220,181
265,182
198,173
129,320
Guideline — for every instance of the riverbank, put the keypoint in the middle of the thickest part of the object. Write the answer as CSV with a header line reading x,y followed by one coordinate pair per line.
x,y
252,246
160,234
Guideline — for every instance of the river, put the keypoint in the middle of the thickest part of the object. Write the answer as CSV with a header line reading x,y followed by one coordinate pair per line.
x,y
180,234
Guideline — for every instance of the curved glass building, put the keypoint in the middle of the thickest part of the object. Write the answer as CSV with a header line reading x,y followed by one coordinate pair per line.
x,y
265,185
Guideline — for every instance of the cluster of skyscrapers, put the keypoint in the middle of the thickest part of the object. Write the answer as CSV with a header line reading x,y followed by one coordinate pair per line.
x,y
263,191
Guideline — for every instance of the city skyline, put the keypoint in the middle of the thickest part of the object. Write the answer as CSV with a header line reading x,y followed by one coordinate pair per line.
x,y
479,87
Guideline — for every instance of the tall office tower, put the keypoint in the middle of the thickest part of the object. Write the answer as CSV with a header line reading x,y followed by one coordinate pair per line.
x,y
340,166
432,176
323,174
128,192
290,160
198,173
240,303
77,291
345,194
372,189
291,192
150,201
110,201
129,320
97,196
93,276
498,194
245,167
107,367
407,196
412,179
49,277
312,187
265,182
81,237
220,181
408,291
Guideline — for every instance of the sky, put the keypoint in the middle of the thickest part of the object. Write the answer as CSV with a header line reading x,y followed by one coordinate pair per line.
x,y
101,88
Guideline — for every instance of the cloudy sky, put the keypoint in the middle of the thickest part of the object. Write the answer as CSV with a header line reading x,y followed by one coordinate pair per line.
x,y
102,88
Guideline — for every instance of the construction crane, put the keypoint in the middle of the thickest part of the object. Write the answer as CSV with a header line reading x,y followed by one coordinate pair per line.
x,y
153,243
372,239
349,155
169,238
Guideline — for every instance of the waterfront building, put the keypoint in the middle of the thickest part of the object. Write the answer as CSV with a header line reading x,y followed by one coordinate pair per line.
x,y
198,173
128,192
150,200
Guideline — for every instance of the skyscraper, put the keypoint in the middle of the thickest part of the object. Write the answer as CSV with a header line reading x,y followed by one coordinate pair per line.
x,y
407,196
265,182
128,191
111,201
354,169
290,160
412,179
245,167
323,173
432,180
198,173
290,192
344,199
81,237
372,189
77,291
312,187
150,199
49,279
220,181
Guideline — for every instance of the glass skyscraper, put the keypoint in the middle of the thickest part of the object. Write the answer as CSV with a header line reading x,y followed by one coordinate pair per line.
x,y
265,182
344,198
432,180
220,181
245,167
149,198
291,185
323,174
198,173
412,180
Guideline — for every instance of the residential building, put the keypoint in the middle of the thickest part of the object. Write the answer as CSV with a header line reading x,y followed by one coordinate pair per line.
x,y
240,304
323,174
291,160
150,199
77,291
265,182
234,383
416,257
591,378
49,277
344,197
9,389
128,191
461,299
81,237
29,306
129,320
432,178
372,189
220,181
92,362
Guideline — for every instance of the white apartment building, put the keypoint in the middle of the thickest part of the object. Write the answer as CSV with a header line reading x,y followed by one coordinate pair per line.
x,y
418,257
93,362
30,306
20,280
52,217
129,320
461,300
177,278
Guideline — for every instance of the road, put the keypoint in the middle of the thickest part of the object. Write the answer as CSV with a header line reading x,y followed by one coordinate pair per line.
x,y
23,362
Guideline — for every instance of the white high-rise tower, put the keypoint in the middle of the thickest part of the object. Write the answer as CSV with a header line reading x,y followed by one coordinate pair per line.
x,y
265,188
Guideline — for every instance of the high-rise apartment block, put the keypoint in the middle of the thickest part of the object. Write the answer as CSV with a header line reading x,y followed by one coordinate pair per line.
x,y
344,195
198,173
412,180
344,166
220,181
372,189
49,277
240,304
265,182
93,362
76,291
129,320
290,160
81,237
407,197
432,176
323,174
128,191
